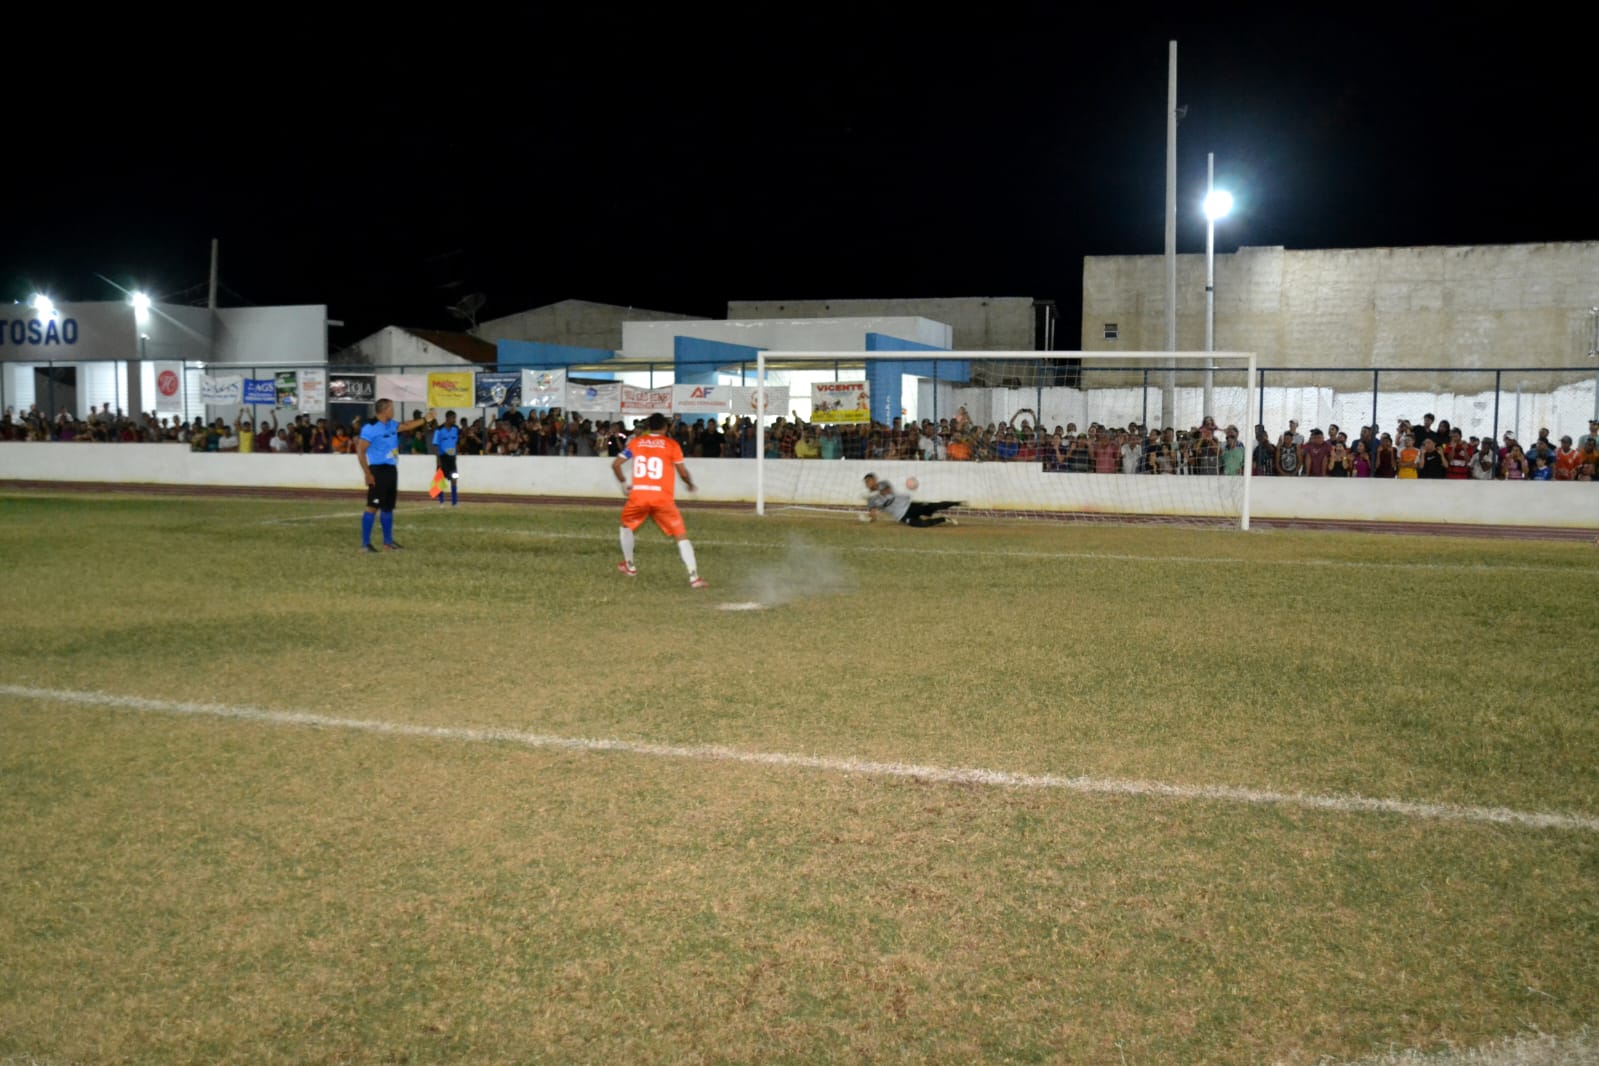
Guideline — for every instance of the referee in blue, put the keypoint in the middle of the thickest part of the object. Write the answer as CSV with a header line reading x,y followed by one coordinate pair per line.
x,y
445,440
378,449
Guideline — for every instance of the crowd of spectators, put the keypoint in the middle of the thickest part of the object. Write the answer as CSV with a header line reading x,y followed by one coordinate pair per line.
x,y
1426,449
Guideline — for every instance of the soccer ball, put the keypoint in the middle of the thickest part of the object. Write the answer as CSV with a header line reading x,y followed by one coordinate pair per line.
x,y
912,484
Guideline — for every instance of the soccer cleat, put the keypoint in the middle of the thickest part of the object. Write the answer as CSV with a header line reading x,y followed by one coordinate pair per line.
x,y
951,520
698,583
625,567
392,546
367,549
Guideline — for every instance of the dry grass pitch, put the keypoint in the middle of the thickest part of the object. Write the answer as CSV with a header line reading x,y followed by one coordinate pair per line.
x,y
1002,793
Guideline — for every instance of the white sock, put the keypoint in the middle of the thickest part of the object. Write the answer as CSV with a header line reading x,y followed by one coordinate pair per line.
x,y
627,544
686,550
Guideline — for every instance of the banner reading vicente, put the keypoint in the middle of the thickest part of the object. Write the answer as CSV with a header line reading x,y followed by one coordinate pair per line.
x,y
839,401
451,388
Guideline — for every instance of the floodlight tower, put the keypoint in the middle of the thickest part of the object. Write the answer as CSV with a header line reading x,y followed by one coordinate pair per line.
x,y
1218,202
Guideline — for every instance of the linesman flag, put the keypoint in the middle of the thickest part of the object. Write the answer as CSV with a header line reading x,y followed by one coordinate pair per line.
x,y
436,489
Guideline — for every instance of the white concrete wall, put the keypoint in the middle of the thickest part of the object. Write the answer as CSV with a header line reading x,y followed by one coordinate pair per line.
x,y
999,485
392,346
977,323
270,336
579,323
653,340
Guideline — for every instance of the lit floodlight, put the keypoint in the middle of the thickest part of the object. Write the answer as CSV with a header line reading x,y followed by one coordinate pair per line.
x,y
141,307
43,304
1218,202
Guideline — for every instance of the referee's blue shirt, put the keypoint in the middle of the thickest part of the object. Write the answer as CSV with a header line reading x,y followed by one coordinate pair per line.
x,y
382,443
445,438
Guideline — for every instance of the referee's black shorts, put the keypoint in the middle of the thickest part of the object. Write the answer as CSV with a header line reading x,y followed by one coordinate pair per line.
x,y
385,487
447,464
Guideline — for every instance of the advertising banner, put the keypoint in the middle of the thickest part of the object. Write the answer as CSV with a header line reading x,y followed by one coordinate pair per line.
x,y
840,401
223,391
168,388
498,389
260,391
313,399
287,388
544,388
404,389
602,399
451,388
702,399
352,388
636,401
746,397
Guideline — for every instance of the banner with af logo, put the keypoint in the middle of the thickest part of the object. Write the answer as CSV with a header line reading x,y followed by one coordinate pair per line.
x,y
702,399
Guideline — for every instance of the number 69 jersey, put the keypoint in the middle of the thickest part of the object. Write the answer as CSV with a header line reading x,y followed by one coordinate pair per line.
x,y
653,460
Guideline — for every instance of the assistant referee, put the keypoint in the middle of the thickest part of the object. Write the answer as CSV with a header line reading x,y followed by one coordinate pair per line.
x,y
378,449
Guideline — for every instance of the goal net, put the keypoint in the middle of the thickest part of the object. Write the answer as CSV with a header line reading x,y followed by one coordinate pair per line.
x,y
1083,436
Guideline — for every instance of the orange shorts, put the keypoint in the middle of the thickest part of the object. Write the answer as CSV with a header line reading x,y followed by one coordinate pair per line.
x,y
665,513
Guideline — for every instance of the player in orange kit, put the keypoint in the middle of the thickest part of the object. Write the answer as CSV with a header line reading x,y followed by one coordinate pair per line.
x,y
656,461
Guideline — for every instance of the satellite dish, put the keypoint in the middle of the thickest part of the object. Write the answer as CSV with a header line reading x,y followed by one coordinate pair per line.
x,y
468,306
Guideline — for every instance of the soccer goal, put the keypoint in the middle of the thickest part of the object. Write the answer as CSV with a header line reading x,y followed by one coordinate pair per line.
x,y
1085,436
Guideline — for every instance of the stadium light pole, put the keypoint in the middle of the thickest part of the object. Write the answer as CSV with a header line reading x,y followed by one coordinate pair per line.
x,y
1218,203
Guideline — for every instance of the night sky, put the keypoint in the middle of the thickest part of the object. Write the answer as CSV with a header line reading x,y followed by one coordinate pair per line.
x,y
676,161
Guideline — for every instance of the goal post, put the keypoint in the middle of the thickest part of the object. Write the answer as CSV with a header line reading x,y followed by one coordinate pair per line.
x,y
1059,435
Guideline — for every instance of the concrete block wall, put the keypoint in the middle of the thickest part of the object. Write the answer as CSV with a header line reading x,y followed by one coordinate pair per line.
x,y
1524,306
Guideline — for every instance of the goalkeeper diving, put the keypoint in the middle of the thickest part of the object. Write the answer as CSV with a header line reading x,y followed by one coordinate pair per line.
x,y
901,508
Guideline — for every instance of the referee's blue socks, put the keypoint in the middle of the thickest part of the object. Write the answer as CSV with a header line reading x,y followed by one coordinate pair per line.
x,y
366,526
388,526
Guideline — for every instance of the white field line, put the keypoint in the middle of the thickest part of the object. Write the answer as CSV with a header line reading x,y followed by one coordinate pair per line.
x,y
979,552
341,515
856,767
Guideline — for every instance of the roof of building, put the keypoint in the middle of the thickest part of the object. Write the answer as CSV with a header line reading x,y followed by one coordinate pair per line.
x,y
462,344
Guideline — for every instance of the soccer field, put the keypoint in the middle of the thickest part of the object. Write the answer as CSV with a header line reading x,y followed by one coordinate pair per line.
x,y
1002,792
